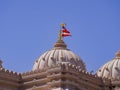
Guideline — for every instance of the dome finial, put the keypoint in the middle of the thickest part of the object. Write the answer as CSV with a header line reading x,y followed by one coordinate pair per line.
x,y
118,54
60,42
63,33
63,24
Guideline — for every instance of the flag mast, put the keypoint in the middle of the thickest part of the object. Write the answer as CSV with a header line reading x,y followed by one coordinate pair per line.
x,y
60,34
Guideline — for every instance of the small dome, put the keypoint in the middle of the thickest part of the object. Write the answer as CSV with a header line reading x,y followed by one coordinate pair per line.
x,y
111,69
59,54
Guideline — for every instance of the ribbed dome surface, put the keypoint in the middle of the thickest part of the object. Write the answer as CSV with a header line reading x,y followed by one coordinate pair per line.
x,y
111,69
59,54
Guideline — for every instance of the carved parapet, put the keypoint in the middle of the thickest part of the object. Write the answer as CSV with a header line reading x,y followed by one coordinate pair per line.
x,y
10,73
116,79
31,72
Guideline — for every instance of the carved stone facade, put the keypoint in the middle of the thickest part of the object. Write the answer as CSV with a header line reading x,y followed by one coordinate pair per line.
x,y
62,73
60,77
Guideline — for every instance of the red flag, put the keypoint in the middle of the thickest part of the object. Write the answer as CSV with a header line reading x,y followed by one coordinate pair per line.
x,y
65,32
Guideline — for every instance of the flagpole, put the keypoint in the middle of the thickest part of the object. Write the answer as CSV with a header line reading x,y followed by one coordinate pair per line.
x,y
60,35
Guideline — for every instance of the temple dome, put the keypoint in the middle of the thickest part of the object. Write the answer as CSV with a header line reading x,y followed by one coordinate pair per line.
x,y
111,69
59,54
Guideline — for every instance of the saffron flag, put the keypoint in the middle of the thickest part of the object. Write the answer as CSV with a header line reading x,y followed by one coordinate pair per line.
x,y
65,32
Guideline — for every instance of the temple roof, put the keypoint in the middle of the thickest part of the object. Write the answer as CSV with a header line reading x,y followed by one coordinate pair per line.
x,y
111,69
58,54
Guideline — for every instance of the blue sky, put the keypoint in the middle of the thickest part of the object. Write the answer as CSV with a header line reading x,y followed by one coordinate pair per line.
x,y
28,28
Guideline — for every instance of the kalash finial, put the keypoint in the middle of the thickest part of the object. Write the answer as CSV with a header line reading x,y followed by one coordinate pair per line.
x,y
118,54
63,33
63,24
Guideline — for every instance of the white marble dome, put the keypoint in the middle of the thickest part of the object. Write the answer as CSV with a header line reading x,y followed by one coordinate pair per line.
x,y
59,54
111,69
